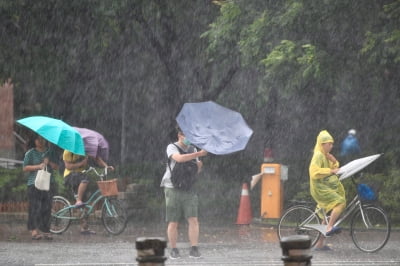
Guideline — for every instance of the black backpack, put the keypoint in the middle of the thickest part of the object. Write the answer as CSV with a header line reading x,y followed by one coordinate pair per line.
x,y
184,175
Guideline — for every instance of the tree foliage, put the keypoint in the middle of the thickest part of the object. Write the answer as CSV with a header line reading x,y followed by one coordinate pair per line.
x,y
326,65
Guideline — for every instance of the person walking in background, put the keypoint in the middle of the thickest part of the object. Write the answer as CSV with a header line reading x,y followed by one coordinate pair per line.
x,y
181,203
350,146
325,186
39,156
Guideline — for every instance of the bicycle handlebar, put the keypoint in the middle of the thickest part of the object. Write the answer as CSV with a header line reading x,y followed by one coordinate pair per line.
x,y
90,169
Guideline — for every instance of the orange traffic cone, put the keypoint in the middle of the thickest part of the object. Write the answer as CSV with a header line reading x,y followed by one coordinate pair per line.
x,y
244,213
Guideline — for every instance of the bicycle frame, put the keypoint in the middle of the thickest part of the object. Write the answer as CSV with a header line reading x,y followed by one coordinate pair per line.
x,y
349,210
356,203
89,207
89,204
113,213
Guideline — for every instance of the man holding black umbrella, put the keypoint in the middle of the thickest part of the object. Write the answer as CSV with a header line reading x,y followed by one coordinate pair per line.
x,y
181,202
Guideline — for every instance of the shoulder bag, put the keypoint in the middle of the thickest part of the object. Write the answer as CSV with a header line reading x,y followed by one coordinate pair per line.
x,y
42,180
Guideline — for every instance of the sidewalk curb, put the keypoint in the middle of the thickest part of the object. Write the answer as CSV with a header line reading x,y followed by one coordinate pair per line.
x,y
10,217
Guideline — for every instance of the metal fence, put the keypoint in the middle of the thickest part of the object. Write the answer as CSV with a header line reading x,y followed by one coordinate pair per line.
x,y
10,163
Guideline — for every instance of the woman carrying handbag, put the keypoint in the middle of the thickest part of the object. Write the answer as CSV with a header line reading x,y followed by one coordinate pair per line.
x,y
38,157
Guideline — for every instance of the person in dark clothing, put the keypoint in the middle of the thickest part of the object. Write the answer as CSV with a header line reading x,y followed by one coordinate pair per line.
x,y
39,156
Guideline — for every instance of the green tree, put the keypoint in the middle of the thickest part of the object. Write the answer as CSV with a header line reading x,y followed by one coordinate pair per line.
x,y
322,69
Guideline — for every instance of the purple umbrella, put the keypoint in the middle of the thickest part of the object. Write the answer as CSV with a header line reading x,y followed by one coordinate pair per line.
x,y
95,143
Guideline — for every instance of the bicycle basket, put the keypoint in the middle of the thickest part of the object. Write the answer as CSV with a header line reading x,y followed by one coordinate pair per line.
x,y
365,192
108,187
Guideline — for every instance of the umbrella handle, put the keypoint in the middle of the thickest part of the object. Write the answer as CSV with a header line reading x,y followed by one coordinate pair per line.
x,y
197,158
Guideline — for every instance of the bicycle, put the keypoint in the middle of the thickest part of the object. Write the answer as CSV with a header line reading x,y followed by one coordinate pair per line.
x,y
113,214
369,224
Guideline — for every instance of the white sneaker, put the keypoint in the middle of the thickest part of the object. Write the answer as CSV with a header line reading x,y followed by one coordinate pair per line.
x,y
194,252
174,254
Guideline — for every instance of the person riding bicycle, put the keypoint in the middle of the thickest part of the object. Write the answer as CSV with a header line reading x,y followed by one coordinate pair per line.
x,y
78,181
325,186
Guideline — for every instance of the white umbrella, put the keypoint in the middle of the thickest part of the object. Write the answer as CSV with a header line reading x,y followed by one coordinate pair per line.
x,y
354,166
214,128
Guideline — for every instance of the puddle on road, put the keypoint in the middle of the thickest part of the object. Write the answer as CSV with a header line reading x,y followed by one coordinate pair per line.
x,y
240,233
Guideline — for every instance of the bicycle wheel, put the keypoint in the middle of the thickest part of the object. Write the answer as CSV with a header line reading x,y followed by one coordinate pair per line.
x,y
292,220
114,216
370,229
61,222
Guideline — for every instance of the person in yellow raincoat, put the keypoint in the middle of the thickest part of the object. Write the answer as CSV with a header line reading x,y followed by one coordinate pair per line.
x,y
325,187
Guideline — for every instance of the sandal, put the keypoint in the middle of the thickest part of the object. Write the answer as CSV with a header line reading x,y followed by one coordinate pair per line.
x,y
324,248
88,232
334,230
48,236
36,237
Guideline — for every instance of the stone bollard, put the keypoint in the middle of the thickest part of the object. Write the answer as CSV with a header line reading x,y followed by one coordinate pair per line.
x,y
296,250
150,251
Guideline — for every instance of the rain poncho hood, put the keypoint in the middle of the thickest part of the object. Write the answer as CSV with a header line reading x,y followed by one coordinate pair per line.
x,y
325,188
323,137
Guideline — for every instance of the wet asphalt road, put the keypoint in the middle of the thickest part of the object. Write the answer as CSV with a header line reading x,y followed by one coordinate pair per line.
x,y
220,245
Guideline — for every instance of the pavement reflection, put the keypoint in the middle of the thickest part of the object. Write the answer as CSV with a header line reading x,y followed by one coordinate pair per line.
x,y
219,244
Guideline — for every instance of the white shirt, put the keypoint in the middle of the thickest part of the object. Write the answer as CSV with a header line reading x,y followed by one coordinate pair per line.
x,y
171,150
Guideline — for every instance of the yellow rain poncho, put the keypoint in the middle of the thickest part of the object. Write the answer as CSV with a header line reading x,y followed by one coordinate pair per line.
x,y
325,188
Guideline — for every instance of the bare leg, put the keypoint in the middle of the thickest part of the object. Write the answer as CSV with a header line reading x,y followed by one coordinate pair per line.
x,y
193,231
81,191
172,232
321,240
84,224
334,216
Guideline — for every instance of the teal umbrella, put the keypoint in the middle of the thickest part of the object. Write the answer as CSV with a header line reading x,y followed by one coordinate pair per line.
x,y
55,131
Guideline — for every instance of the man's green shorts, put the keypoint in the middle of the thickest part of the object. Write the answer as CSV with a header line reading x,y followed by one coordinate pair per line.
x,y
180,204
